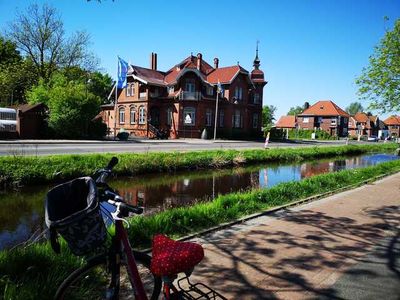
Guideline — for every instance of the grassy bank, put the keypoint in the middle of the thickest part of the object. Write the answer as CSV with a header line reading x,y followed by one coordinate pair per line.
x,y
26,170
34,272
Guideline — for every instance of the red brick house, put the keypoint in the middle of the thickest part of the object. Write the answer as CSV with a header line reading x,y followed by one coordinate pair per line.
x,y
181,101
393,125
364,124
325,115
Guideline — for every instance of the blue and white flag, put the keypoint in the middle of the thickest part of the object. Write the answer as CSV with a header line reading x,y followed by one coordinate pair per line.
x,y
122,72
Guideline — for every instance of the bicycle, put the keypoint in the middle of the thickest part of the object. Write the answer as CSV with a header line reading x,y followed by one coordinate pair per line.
x,y
80,223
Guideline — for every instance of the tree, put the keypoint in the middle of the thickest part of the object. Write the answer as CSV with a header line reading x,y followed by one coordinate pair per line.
x,y
354,108
39,34
268,116
380,81
71,106
294,111
15,74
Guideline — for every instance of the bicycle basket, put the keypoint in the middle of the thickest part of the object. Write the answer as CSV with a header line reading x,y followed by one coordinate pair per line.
x,y
73,211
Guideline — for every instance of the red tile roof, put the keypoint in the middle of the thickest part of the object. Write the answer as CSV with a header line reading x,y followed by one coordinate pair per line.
x,y
207,72
324,108
286,122
392,120
361,117
224,75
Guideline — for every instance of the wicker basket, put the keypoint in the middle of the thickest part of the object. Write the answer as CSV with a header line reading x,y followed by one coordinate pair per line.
x,y
73,211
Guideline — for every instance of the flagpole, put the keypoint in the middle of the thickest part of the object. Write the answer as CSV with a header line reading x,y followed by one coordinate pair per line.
x,y
216,115
115,104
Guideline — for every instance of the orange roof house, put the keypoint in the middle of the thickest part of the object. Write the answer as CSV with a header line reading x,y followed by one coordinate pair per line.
x,y
393,124
325,115
286,122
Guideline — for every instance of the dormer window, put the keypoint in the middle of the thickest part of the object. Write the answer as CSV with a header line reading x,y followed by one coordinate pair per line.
x,y
171,89
210,90
190,85
238,93
130,89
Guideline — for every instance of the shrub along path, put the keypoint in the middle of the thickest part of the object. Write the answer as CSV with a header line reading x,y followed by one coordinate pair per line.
x,y
344,246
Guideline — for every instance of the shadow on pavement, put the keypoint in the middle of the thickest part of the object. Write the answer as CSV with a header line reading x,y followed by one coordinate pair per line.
x,y
271,263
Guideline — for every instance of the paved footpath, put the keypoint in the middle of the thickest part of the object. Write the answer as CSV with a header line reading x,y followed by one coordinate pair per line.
x,y
346,246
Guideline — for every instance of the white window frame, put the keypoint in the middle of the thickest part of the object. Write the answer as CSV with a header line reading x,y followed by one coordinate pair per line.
x,y
238,92
237,120
142,115
256,117
169,116
190,86
221,118
306,120
208,117
121,114
192,113
133,115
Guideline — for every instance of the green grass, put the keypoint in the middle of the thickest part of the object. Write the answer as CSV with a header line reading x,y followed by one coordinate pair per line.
x,y
35,272
29,170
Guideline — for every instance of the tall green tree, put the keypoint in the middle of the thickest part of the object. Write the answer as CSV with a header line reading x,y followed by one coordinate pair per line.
x,y
268,116
380,80
15,74
39,34
354,108
70,104
294,111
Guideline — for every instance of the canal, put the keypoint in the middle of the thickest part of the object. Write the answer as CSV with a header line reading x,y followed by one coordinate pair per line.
x,y
22,213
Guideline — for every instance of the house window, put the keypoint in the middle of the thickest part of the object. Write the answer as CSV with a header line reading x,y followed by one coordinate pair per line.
x,y
208,117
133,115
237,120
221,118
210,90
319,119
190,85
171,90
189,116
255,120
142,115
256,98
306,120
333,121
121,115
169,116
238,93
130,89
345,120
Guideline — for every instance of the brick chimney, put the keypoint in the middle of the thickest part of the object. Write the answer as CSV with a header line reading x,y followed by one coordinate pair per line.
x,y
153,61
199,59
216,61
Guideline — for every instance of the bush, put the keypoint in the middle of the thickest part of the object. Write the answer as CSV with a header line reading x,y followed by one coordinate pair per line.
x,y
123,135
306,134
97,129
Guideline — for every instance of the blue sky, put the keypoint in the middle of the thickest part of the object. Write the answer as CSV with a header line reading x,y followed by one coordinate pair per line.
x,y
309,50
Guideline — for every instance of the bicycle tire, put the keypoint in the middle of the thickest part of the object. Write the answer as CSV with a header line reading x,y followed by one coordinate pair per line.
x,y
90,281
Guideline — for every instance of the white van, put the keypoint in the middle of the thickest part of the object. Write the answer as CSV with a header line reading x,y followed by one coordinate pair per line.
x,y
8,120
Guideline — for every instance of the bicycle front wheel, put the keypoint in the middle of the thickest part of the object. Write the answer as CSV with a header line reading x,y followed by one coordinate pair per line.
x,y
92,281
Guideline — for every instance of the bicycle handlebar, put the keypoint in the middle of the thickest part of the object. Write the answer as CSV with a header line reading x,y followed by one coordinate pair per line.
x,y
108,194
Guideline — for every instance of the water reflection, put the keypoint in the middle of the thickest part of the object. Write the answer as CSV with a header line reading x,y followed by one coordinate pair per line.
x,y
22,212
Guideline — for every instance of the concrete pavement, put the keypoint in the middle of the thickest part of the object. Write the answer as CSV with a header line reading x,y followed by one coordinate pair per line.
x,y
345,246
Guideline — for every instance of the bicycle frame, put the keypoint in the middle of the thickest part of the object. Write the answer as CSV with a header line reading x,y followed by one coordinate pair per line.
x,y
134,277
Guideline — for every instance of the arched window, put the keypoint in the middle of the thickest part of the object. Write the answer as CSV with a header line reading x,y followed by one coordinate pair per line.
x,y
133,115
122,115
142,115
